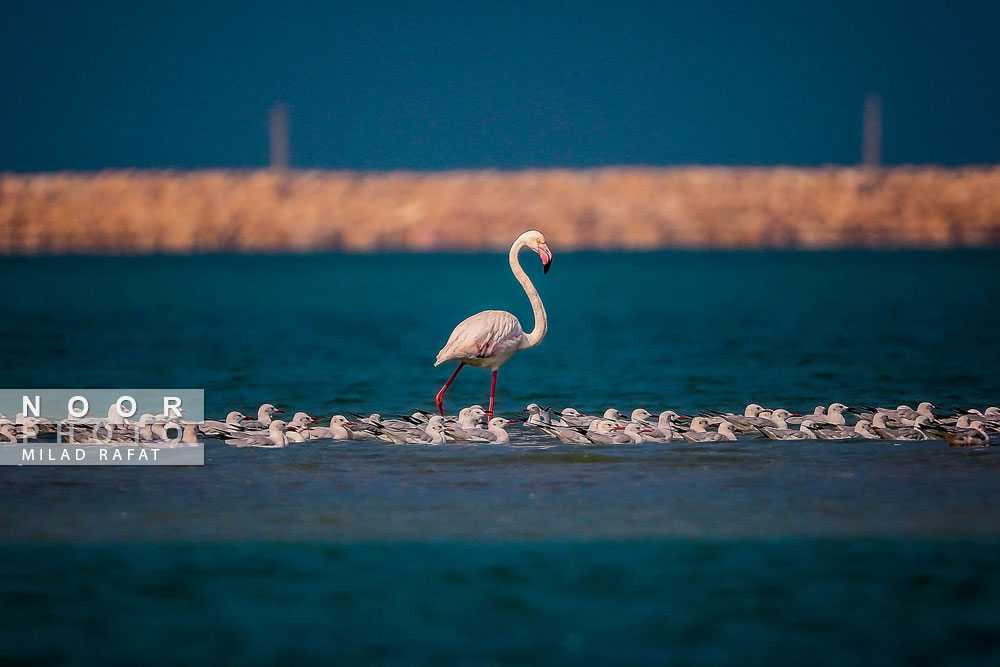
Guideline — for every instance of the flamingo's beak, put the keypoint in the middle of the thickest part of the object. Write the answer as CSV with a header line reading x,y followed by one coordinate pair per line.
x,y
511,421
315,421
654,416
280,412
546,255
292,428
352,423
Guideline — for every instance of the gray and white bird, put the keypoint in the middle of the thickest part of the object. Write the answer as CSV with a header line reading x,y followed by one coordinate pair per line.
x,y
974,436
338,429
232,423
574,417
603,432
265,413
886,432
275,437
699,431
496,431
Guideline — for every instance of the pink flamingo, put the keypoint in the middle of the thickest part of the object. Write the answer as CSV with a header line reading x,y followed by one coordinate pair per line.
x,y
488,339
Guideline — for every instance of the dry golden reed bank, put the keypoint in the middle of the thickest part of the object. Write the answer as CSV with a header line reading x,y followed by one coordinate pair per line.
x,y
273,211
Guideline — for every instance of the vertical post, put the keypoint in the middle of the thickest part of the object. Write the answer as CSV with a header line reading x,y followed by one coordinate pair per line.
x,y
871,148
278,134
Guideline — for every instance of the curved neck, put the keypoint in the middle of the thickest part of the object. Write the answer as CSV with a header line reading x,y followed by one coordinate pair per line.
x,y
535,336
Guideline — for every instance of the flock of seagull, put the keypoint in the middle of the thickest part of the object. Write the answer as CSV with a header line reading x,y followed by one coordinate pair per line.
x,y
961,428
964,428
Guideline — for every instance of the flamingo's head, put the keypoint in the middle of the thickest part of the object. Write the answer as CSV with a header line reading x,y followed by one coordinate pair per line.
x,y
536,241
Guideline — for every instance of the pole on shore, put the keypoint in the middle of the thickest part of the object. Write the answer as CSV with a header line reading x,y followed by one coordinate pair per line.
x,y
278,135
871,147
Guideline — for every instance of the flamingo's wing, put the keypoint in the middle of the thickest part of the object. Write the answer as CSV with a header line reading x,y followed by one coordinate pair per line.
x,y
480,335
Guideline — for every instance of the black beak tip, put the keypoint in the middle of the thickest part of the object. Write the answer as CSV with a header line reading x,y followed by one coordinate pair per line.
x,y
545,267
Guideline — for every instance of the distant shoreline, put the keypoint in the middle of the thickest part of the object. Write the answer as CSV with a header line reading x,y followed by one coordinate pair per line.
x,y
631,208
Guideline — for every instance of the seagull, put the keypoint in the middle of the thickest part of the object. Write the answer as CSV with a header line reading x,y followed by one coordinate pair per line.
x,y
302,424
750,418
573,417
860,431
232,423
925,409
616,416
434,434
336,431
818,411
264,414
637,433
664,429
467,427
539,415
785,433
886,433
571,435
601,432
834,415
699,432
642,417
496,431
275,437
974,436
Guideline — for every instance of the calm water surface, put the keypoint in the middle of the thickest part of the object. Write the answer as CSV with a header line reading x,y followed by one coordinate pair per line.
x,y
750,551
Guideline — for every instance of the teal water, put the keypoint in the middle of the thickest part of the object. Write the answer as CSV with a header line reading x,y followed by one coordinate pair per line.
x,y
734,552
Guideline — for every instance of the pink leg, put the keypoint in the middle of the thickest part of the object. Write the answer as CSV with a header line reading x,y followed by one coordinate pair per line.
x,y
493,394
440,396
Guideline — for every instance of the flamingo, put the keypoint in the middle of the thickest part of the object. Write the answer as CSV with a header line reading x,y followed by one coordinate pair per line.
x,y
488,339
